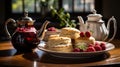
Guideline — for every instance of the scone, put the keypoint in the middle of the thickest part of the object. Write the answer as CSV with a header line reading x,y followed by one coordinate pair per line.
x,y
84,40
50,31
59,44
87,43
72,33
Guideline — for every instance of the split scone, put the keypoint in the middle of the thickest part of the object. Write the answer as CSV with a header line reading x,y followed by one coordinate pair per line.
x,y
53,36
72,33
59,44
84,40
50,31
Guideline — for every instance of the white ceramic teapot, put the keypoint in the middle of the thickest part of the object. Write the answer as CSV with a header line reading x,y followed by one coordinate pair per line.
x,y
97,26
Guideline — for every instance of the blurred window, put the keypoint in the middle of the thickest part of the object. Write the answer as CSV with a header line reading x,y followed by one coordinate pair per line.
x,y
35,6
78,5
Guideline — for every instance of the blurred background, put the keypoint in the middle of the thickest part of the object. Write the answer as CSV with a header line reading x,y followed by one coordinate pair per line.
x,y
40,11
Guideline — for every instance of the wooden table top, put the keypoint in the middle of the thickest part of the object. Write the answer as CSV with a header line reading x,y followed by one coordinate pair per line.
x,y
9,58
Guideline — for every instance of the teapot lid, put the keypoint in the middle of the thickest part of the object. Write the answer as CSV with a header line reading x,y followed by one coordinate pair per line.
x,y
26,18
94,14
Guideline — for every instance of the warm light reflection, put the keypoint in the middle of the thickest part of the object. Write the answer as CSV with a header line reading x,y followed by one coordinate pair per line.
x,y
34,64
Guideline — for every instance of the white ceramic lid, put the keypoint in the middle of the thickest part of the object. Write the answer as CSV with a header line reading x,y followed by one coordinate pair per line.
x,y
94,14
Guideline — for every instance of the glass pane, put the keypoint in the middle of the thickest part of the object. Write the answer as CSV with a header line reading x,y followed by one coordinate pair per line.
x,y
56,4
47,4
17,6
83,5
89,5
79,5
53,3
38,9
30,5
67,5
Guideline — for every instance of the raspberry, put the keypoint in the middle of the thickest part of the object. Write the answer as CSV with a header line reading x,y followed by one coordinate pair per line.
x,y
82,34
97,47
81,50
51,29
96,43
90,49
103,46
90,45
87,34
77,50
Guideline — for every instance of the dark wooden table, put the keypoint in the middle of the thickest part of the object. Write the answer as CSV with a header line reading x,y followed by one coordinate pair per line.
x,y
10,58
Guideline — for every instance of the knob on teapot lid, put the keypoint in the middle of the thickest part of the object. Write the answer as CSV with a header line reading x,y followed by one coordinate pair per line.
x,y
26,18
94,16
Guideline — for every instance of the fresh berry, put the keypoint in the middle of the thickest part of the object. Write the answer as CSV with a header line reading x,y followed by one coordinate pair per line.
x,y
96,43
88,34
90,45
90,49
81,50
82,34
97,47
77,50
103,46
51,29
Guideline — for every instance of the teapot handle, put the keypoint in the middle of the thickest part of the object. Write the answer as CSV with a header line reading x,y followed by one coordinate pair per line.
x,y
6,29
108,27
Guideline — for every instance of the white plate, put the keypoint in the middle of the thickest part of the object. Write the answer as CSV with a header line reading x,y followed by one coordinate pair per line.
x,y
109,46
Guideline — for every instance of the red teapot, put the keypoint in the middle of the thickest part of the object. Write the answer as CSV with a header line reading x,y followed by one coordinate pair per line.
x,y
26,37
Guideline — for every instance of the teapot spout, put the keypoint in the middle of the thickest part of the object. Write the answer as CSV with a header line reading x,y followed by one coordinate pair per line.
x,y
81,20
41,32
83,26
